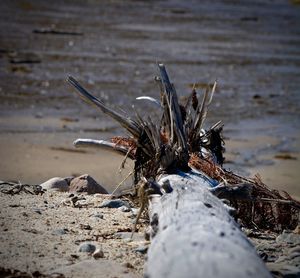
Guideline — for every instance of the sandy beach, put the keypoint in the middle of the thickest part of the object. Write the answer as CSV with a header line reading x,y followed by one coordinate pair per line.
x,y
112,47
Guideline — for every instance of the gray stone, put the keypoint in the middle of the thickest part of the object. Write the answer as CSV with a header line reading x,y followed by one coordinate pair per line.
x,y
116,203
55,184
85,183
141,249
87,247
288,237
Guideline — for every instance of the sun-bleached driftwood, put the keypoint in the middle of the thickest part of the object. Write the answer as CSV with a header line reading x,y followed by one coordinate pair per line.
x,y
192,231
194,235
100,144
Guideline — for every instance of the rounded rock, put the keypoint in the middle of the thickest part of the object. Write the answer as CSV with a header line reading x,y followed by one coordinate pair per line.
x,y
87,248
55,184
85,183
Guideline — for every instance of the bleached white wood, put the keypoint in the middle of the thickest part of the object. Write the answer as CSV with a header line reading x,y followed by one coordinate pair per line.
x,y
100,144
193,234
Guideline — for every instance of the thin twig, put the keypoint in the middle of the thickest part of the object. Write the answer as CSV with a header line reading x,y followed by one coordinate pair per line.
x,y
119,185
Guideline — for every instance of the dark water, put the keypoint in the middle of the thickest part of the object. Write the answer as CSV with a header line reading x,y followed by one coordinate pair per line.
x,y
251,47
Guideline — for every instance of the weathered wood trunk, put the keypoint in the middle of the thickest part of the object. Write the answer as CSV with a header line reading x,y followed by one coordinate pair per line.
x,y
193,234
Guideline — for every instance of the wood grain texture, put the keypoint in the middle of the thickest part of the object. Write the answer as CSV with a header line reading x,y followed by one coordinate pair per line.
x,y
193,234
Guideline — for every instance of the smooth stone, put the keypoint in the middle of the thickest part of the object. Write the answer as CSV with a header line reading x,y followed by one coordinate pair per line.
x,y
55,184
96,269
85,183
87,247
116,203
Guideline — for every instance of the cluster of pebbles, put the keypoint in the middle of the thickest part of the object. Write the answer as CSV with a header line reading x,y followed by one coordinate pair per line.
x,y
73,229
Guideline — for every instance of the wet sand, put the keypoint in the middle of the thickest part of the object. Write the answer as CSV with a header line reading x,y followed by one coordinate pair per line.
x,y
112,47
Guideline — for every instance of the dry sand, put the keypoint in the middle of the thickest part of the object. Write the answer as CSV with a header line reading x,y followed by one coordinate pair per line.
x,y
44,233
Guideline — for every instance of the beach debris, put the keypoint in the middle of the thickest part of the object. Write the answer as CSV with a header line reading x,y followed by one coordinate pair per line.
x,y
179,141
76,201
13,188
55,184
85,183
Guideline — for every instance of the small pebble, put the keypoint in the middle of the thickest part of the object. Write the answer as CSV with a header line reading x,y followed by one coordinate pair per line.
x,y
141,249
116,203
98,254
87,247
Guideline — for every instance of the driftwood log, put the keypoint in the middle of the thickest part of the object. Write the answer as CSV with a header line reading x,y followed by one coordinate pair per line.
x,y
193,232
194,235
